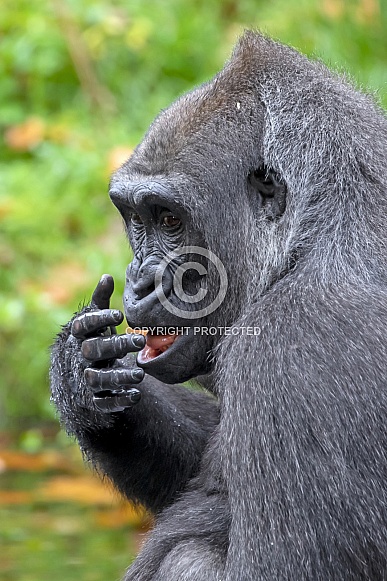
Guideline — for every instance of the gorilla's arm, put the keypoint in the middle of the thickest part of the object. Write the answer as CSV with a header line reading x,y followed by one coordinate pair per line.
x,y
149,450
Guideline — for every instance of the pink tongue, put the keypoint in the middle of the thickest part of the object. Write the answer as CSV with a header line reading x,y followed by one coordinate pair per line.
x,y
155,345
159,341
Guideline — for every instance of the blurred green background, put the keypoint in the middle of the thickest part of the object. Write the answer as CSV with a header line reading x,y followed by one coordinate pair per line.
x,y
79,83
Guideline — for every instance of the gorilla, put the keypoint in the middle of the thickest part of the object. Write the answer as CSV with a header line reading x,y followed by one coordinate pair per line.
x,y
256,209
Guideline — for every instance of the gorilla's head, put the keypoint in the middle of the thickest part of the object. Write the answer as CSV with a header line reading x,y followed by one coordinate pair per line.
x,y
242,167
196,183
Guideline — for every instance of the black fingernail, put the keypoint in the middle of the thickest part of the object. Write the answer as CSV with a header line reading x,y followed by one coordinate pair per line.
x,y
138,374
135,395
138,341
117,316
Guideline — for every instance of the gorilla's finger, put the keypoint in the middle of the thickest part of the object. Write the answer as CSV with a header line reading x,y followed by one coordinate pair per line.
x,y
113,347
117,402
109,379
93,321
103,291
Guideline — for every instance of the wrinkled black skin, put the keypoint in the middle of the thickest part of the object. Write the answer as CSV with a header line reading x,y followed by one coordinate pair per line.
x,y
279,168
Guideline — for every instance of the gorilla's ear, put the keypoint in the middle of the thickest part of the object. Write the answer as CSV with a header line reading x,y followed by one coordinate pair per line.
x,y
267,192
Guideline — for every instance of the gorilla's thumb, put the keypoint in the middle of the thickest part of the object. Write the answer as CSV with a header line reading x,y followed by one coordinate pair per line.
x,y
102,293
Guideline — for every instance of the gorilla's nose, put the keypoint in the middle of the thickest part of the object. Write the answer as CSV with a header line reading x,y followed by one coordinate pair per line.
x,y
144,285
148,278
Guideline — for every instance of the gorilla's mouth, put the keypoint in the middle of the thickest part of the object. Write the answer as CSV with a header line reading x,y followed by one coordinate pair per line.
x,y
156,345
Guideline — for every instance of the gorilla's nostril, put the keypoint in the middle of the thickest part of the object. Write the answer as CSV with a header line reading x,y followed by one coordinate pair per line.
x,y
143,288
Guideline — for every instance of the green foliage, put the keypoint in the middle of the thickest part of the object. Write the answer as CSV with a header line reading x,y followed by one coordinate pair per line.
x,y
47,541
77,80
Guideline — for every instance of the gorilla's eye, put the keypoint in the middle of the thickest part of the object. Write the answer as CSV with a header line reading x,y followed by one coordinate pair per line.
x,y
170,221
136,219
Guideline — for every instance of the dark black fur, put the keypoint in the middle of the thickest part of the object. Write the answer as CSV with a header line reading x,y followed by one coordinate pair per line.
x,y
280,168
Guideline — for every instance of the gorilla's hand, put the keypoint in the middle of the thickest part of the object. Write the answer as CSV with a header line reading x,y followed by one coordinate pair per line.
x,y
109,379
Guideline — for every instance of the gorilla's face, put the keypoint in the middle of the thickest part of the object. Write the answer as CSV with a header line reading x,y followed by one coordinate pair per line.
x,y
166,293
